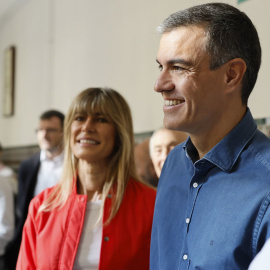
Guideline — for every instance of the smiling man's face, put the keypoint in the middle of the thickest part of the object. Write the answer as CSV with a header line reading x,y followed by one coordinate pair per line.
x,y
192,93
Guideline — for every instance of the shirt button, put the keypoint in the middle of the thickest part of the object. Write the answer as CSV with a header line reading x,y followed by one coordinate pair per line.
x,y
185,257
82,199
195,185
106,238
187,220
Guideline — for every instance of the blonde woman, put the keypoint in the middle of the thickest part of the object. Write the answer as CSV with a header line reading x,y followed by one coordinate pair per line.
x,y
99,216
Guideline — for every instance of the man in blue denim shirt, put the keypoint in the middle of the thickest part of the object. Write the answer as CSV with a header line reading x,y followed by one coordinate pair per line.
x,y
214,192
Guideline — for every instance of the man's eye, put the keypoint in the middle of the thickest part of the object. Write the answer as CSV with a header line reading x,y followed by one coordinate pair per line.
x,y
160,67
177,68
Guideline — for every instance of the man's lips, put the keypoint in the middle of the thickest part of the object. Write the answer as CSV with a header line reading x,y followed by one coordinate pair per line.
x,y
173,102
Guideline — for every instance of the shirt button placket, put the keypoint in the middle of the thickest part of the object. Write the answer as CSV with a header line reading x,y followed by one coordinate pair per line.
x,y
185,257
195,184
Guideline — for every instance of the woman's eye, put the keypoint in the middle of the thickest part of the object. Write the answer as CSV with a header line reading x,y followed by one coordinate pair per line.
x,y
102,120
79,118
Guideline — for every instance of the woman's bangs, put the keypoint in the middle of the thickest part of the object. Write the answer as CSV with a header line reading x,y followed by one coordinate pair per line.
x,y
91,104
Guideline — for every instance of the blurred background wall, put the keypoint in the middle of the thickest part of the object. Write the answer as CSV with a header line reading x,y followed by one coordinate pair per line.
x,y
65,46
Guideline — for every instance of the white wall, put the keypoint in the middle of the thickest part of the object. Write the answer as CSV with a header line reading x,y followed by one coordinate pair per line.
x,y
65,46
27,29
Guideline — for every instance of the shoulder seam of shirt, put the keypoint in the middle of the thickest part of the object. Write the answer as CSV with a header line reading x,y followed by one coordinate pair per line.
x,y
259,157
263,208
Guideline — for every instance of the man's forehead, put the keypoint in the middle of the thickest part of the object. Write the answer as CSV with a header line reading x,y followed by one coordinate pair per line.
x,y
183,37
163,137
183,46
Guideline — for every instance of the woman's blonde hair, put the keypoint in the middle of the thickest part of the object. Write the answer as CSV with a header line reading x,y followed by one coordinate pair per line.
x,y
121,166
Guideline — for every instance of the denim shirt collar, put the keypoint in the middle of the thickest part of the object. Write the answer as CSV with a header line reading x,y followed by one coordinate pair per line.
x,y
225,153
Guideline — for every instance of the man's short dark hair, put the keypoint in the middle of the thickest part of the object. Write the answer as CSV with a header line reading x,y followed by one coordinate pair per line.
x,y
53,113
231,34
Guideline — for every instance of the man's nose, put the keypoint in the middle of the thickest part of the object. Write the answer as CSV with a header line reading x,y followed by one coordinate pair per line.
x,y
164,153
164,82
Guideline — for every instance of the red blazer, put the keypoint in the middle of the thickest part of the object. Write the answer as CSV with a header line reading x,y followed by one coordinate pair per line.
x,y
50,239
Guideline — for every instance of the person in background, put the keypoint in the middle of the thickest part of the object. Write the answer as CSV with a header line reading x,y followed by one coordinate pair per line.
x,y
99,216
212,207
8,173
40,171
8,194
7,217
144,165
161,143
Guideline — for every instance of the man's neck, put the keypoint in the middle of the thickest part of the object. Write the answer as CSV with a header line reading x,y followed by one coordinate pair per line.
x,y
53,154
205,141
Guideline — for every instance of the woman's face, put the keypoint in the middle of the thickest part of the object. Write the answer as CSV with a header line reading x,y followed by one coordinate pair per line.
x,y
92,137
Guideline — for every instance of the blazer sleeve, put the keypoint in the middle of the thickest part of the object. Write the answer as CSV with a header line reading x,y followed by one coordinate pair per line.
x,y
27,171
27,254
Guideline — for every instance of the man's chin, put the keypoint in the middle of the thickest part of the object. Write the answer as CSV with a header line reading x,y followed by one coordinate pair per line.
x,y
46,147
170,124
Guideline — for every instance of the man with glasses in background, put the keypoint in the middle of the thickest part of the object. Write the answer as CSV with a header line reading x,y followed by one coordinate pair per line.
x,y
40,171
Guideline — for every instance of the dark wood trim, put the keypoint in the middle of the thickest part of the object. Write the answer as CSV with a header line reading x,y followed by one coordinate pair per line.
x,y
13,156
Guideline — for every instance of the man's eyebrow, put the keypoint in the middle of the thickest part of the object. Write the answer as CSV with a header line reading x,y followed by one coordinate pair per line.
x,y
177,61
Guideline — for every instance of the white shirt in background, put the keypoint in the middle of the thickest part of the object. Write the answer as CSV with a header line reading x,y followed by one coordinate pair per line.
x,y
6,213
262,260
88,253
8,173
49,172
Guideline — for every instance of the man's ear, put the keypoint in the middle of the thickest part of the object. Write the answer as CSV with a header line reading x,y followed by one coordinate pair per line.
x,y
235,71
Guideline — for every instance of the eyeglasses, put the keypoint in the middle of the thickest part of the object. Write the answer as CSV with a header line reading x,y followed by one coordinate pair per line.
x,y
48,130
